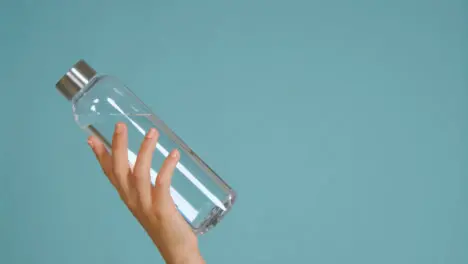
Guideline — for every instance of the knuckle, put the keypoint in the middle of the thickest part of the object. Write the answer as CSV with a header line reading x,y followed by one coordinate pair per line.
x,y
139,177
122,196
116,172
157,213
146,208
162,212
132,205
106,172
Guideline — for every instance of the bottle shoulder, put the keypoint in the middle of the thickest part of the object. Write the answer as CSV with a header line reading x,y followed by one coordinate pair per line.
x,y
105,97
96,85
87,104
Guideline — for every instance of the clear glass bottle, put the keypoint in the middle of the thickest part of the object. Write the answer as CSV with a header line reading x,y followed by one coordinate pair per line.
x,y
100,101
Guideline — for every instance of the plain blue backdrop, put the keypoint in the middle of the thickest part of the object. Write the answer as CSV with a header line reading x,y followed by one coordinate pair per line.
x,y
341,124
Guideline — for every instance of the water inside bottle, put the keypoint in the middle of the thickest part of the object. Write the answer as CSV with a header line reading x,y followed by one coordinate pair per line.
x,y
199,194
195,194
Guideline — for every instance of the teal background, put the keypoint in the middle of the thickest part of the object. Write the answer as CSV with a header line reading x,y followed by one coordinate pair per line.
x,y
341,124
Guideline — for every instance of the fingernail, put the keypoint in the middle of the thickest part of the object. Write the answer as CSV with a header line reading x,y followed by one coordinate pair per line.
x,y
151,133
175,153
119,127
90,143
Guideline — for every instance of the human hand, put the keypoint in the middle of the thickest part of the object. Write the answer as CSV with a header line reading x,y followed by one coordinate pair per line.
x,y
151,205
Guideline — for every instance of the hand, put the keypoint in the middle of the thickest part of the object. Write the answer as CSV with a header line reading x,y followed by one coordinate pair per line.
x,y
152,206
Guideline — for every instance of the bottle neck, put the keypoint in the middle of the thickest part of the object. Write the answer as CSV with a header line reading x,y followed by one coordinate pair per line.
x,y
88,86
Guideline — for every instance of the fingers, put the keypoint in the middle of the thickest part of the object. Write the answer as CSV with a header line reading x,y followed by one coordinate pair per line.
x,y
103,156
120,166
142,167
116,167
163,181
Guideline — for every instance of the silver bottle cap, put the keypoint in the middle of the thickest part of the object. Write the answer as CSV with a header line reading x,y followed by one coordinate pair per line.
x,y
75,79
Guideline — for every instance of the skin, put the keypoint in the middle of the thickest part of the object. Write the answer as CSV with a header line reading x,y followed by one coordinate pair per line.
x,y
152,206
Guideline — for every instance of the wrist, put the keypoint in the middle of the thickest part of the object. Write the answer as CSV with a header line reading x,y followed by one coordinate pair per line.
x,y
189,254
193,257
178,250
175,240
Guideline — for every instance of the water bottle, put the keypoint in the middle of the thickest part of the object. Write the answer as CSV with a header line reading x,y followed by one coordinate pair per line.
x,y
99,101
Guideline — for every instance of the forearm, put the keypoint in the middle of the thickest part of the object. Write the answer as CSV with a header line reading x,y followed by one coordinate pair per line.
x,y
176,242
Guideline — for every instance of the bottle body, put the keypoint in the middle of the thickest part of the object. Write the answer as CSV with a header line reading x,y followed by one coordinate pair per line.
x,y
200,195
